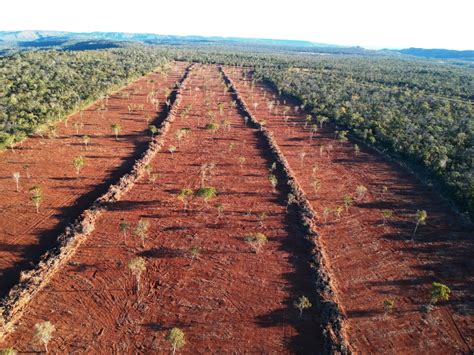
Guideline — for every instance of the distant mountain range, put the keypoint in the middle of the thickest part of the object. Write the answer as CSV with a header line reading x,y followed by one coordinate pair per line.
x,y
18,40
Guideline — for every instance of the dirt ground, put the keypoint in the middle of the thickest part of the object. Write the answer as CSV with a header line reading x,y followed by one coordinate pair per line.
x,y
201,275
24,234
372,261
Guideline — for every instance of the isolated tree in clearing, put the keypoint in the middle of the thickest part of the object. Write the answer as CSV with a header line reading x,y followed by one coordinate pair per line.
x,y
16,177
420,218
116,128
137,266
44,333
176,338
141,230
78,163
301,304
36,196
86,139
124,226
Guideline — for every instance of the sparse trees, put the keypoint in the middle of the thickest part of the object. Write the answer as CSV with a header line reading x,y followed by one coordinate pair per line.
x,y
141,230
256,241
137,266
44,333
420,218
116,128
16,178
36,196
78,163
176,338
301,304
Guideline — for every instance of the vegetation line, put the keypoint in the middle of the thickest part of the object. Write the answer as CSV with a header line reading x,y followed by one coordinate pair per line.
x,y
332,317
33,281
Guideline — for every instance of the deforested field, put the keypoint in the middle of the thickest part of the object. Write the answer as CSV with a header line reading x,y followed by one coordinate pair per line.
x,y
236,222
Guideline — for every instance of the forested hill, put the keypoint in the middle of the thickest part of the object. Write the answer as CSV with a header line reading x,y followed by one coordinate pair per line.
x,y
439,53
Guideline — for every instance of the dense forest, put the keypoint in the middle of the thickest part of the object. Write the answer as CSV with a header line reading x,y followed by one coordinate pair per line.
x,y
421,111
37,88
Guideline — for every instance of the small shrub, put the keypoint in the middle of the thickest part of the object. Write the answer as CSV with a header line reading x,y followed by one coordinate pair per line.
x,y
206,193
153,130
439,292
194,252
8,351
256,241
301,304
184,196
388,305
273,181
172,149
86,139
386,215
348,201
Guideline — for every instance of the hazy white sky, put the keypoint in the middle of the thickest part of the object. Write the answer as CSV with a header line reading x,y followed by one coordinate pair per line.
x,y
368,23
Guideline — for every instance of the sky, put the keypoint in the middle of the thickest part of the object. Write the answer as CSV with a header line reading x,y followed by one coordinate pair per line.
x,y
368,23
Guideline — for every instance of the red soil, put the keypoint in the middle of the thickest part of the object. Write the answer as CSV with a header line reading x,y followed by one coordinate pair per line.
x,y
227,300
370,262
25,234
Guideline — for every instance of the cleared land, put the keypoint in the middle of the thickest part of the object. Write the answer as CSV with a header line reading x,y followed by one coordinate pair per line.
x,y
24,234
371,260
201,275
